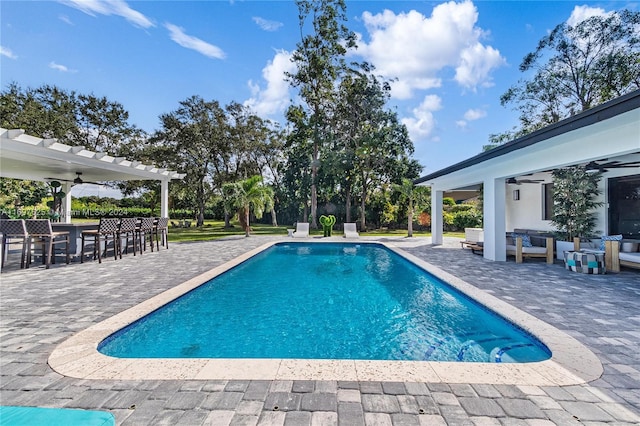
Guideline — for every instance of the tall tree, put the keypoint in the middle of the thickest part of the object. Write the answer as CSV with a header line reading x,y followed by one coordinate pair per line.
x,y
193,138
376,147
246,196
319,58
576,67
74,119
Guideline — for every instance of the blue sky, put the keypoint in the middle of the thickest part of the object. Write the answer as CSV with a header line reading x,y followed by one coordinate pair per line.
x,y
452,60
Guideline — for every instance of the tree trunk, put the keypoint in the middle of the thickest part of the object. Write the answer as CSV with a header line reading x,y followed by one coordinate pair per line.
x,y
227,220
305,212
410,219
363,225
347,205
243,218
274,219
200,218
314,199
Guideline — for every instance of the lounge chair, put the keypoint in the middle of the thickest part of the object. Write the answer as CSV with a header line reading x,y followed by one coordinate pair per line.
x,y
350,230
473,239
302,230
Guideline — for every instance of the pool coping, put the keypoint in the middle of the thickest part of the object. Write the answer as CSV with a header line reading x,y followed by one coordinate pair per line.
x,y
571,362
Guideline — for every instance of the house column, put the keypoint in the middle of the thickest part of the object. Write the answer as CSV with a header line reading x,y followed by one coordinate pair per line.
x,y
164,198
437,220
66,203
495,245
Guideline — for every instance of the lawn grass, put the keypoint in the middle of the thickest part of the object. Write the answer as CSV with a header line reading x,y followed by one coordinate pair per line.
x,y
214,229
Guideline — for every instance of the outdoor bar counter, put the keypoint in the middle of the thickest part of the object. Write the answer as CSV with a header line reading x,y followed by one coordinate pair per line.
x,y
75,234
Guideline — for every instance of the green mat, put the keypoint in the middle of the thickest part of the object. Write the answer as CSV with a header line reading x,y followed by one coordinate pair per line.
x,y
36,416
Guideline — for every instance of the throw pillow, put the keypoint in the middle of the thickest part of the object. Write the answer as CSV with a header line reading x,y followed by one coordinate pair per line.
x,y
526,239
609,238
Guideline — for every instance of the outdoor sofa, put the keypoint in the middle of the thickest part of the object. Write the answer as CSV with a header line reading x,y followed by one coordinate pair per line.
x,y
529,243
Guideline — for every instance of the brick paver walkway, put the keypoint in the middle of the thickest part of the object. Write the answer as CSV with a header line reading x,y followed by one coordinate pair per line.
x,y
41,308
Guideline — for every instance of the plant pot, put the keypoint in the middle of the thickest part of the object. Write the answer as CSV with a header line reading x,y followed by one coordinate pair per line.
x,y
561,247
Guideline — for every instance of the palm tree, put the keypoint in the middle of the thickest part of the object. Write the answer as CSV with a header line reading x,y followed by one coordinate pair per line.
x,y
245,196
410,193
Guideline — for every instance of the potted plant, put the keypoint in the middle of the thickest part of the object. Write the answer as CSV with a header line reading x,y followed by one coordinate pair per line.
x,y
575,192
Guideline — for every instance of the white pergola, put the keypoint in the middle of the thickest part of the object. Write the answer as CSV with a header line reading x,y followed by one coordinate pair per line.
x,y
31,158
609,132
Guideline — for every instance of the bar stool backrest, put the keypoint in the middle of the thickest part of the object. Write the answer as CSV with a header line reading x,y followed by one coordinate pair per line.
x,y
108,225
146,223
39,226
13,227
128,224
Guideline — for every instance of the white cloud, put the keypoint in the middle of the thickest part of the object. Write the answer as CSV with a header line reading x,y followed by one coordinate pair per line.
x,y
61,68
415,49
475,114
580,13
476,64
266,24
110,7
5,51
65,19
275,97
178,35
471,115
422,124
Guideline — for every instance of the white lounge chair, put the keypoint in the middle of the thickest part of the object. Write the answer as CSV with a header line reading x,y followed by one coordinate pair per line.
x,y
350,230
302,230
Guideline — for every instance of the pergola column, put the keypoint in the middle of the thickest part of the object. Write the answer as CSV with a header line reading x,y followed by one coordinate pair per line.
x,y
494,223
66,203
164,198
437,220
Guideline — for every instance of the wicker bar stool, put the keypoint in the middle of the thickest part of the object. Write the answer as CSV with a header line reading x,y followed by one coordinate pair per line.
x,y
161,231
108,229
127,229
14,229
144,228
40,231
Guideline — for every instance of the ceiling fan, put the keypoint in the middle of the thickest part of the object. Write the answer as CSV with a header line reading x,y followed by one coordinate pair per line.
x,y
77,181
514,181
602,167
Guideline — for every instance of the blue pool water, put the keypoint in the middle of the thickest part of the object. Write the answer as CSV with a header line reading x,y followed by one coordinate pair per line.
x,y
326,301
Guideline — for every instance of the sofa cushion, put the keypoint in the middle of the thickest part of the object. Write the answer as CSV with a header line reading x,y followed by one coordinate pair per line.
x,y
526,240
527,250
609,238
630,257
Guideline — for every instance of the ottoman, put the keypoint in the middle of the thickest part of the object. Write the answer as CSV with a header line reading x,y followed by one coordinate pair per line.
x,y
585,262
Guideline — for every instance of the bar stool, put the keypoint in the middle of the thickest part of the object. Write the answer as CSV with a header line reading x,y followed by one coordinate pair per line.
x,y
108,229
161,231
40,231
14,229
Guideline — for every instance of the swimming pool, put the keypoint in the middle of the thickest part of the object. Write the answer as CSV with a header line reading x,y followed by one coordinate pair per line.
x,y
326,301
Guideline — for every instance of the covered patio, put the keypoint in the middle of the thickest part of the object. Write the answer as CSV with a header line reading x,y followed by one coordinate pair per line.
x,y
606,137
32,158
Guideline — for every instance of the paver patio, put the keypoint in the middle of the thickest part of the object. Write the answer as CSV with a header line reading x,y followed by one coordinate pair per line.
x,y
41,308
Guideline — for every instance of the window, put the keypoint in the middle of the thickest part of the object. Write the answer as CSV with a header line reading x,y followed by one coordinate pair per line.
x,y
624,206
547,203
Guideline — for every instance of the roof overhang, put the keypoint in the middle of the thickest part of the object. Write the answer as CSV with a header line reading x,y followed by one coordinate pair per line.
x,y
32,158
609,131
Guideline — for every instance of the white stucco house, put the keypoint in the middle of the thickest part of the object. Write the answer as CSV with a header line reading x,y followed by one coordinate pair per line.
x,y
516,176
